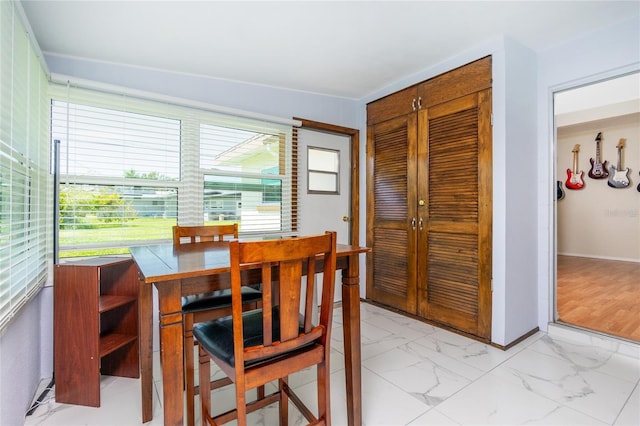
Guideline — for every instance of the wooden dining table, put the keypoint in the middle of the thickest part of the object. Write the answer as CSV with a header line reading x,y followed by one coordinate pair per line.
x,y
187,269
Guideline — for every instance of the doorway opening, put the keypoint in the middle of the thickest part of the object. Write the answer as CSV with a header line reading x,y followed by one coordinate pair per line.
x,y
597,140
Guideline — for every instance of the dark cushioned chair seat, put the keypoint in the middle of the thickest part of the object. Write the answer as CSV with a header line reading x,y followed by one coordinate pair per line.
x,y
218,299
217,336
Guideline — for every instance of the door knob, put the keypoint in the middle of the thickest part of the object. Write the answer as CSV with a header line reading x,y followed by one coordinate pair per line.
x,y
421,203
345,218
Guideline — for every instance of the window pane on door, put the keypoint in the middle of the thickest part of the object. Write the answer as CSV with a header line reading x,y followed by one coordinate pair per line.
x,y
323,168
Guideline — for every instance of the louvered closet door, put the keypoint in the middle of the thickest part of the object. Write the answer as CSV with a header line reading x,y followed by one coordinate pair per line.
x,y
391,267
454,240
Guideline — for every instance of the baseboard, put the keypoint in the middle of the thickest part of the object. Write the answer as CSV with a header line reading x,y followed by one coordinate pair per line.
x,y
591,256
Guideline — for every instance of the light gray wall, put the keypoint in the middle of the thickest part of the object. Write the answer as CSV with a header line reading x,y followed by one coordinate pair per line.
x,y
25,357
247,97
519,180
604,53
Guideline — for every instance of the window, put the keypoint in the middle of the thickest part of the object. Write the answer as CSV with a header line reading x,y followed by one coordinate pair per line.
x,y
133,168
323,171
24,167
119,177
246,174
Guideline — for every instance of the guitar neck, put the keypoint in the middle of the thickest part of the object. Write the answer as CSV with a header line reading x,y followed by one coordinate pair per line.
x,y
620,146
619,158
575,150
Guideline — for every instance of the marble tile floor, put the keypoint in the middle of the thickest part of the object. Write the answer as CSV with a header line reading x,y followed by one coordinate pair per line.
x,y
417,374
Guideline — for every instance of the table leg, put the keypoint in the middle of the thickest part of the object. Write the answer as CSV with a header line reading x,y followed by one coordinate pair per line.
x,y
145,318
351,329
171,351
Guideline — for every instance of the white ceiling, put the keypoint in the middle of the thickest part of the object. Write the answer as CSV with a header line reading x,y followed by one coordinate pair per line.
x,y
337,48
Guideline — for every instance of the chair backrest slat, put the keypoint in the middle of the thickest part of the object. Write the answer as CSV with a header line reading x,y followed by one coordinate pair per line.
x,y
290,282
204,233
310,289
291,258
267,304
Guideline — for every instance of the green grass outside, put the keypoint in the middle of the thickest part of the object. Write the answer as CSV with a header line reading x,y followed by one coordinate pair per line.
x,y
134,230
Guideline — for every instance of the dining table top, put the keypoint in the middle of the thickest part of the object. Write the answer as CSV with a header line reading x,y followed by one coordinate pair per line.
x,y
165,262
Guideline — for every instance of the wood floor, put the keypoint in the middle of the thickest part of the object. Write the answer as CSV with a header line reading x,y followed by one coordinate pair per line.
x,y
600,295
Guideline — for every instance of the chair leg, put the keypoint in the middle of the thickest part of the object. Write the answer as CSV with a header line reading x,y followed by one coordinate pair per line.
x,y
189,368
205,385
324,395
284,402
241,401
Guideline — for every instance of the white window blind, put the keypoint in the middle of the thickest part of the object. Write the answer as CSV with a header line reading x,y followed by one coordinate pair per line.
x,y
24,171
128,145
131,168
120,172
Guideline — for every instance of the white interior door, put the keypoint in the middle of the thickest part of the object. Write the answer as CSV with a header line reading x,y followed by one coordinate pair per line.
x,y
323,211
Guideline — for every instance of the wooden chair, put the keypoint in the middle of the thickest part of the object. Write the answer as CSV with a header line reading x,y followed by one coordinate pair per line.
x,y
276,340
206,306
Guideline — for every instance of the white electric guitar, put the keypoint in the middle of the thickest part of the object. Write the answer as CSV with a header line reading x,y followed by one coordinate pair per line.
x,y
619,177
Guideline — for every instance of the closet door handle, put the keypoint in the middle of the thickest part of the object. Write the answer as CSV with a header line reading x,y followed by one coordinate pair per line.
x,y
420,224
413,104
419,102
413,223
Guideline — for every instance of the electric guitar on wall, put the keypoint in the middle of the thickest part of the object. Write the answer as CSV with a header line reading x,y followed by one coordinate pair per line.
x,y
639,184
574,177
598,168
560,192
619,177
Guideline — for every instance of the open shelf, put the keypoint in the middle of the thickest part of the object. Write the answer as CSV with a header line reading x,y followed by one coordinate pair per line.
x,y
95,326
113,341
109,302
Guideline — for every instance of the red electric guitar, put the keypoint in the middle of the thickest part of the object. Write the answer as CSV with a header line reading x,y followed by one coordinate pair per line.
x,y
574,177
598,168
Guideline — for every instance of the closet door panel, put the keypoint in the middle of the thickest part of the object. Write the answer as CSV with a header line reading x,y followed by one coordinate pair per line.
x,y
391,212
453,287
429,201
453,279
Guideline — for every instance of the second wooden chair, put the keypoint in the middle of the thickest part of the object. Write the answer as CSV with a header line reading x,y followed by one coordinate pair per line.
x,y
206,306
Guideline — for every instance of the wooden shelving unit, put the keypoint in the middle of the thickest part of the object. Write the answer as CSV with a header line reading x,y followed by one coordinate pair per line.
x,y
95,326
